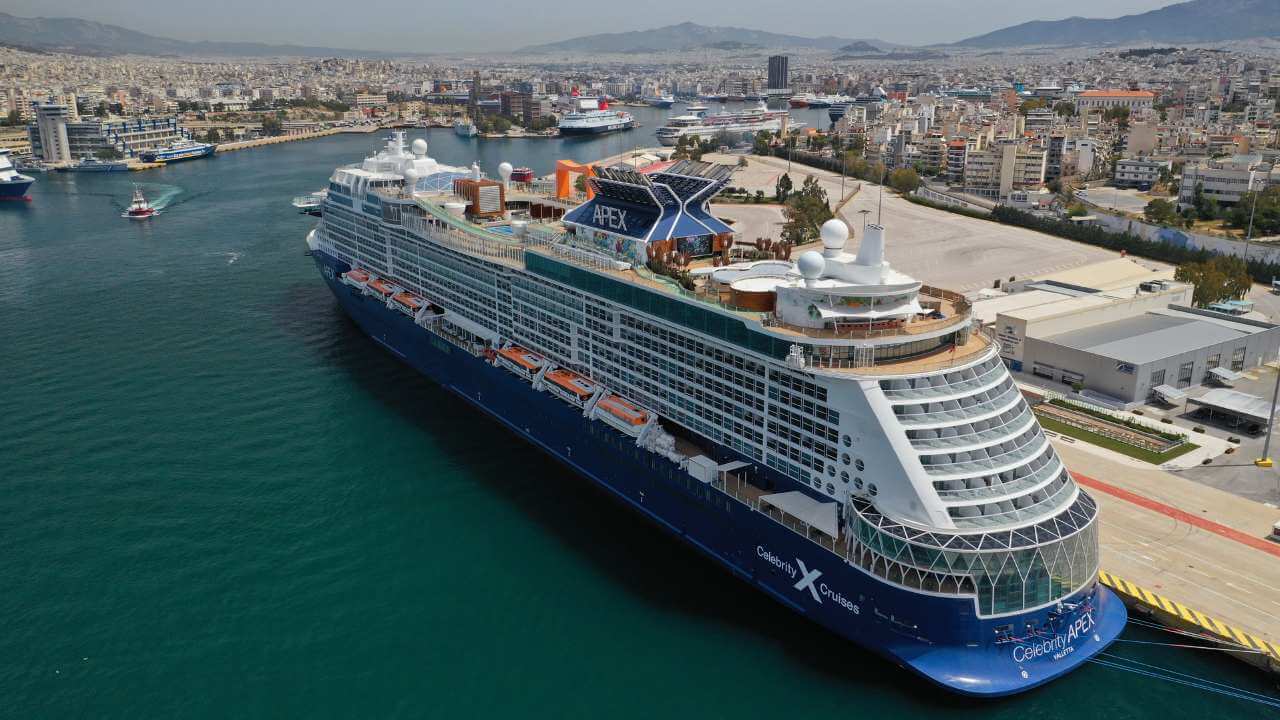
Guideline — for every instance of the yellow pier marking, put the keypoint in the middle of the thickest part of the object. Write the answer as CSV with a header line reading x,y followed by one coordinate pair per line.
x,y
1218,629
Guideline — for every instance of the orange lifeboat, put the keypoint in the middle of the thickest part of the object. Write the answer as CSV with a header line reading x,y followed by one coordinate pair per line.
x,y
623,414
520,361
407,302
570,386
355,277
382,287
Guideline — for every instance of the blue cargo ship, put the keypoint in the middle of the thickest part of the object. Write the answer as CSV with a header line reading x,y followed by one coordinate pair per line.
x,y
838,435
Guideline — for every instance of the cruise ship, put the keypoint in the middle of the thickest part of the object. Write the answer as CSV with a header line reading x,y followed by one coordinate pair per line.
x,y
465,128
702,126
179,151
592,116
833,432
13,184
660,101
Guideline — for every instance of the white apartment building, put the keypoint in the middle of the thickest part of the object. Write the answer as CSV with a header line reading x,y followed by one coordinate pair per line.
x,y
1139,173
1102,100
1226,180
998,169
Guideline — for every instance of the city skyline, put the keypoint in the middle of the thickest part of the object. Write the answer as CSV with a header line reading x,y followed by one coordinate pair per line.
x,y
465,28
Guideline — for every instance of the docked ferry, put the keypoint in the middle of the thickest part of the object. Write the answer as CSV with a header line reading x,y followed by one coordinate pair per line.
x,y
179,151
593,116
698,124
831,431
13,184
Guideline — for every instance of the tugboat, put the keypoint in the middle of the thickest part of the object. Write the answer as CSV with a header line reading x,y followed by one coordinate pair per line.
x,y
139,209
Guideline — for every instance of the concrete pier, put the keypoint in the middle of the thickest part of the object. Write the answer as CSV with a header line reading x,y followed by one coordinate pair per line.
x,y
1186,555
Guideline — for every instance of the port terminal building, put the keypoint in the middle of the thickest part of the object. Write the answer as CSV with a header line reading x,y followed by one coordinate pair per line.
x,y
1127,337
59,135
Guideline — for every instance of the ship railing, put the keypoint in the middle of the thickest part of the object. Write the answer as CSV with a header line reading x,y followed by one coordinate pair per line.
x,y
475,242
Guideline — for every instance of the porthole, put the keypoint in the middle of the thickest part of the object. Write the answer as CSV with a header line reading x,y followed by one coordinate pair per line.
x,y
859,465
871,489
831,489
848,442
857,482
845,458
844,476
831,470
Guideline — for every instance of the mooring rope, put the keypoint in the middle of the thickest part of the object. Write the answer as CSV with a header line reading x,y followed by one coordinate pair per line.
x,y
1173,676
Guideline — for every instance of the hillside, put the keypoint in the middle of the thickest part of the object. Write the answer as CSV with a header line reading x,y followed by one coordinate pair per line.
x,y
691,36
84,37
1188,22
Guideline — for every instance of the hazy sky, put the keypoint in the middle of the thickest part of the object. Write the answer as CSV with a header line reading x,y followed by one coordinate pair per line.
x,y
461,25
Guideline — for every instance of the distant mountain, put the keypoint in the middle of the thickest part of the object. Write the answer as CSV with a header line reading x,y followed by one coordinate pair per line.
x,y
687,36
861,46
1188,22
84,37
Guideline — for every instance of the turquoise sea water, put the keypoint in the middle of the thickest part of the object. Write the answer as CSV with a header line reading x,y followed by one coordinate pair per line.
x,y
221,500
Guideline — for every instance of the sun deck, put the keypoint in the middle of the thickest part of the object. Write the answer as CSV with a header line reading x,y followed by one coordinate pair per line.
x,y
944,310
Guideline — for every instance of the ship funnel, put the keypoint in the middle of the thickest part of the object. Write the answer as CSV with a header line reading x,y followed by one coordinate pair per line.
x,y
871,251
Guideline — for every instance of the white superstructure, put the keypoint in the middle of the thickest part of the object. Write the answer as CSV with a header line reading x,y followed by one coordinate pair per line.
x,y
736,124
860,383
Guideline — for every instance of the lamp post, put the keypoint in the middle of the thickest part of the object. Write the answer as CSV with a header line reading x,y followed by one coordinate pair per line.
x,y
1265,460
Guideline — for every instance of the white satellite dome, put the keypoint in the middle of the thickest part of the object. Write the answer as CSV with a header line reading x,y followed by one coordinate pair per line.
x,y
411,179
811,265
504,171
419,148
834,234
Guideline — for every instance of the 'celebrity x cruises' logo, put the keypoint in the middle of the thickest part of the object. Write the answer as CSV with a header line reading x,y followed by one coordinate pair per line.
x,y
807,580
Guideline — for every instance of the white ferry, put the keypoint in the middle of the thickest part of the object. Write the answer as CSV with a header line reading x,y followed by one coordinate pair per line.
x,y
738,124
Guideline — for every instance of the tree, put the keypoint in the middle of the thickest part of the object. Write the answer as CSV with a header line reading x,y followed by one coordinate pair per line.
x,y
762,143
1118,115
271,125
1161,212
805,212
1206,207
1222,277
1033,104
1266,219
783,188
904,180
108,153
13,118
546,122
1065,109
212,136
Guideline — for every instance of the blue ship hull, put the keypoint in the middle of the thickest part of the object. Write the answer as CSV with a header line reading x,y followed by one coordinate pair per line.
x,y
96,168
597,129
165,156
16,190
939,637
